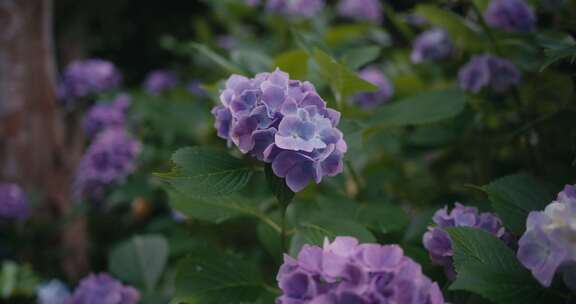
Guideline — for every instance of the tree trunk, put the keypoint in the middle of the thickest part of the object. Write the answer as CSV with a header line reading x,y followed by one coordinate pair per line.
x,y
37,150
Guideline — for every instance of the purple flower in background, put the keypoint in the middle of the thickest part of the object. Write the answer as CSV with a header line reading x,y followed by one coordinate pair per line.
x,y
510,16
195,87
226,42
283,122
432,45
488,71
415,20
549,245
361,10
53,292
438,243
159,81
106,115
83,78
370,100
109,159
103,289
304,8
345,271
13,202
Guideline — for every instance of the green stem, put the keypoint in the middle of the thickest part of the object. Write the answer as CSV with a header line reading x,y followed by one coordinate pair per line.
x,y
485,28
283,228
354,175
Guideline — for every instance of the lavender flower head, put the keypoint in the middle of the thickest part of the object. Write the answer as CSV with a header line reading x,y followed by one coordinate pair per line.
x,y
83,78
510,16
345,271
159,81
370,100
106,115
485,71
302,8
13,202
438,243
109,159
53,292
283,122
432,45
104,289
361,10
549,244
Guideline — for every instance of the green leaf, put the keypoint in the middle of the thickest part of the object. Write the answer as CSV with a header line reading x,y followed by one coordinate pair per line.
x,y
140,261
487,267
278,187
358,57
346,33
343,81
461,32
204,172
514,196
294,63
224,63
424,108
17,280
210,277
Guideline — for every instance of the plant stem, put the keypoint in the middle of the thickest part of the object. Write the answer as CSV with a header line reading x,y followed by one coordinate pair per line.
x,y
485,28
283,228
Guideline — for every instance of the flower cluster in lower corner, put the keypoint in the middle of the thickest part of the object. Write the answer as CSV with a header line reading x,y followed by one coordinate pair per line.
x,y
83,78
104,289
106,115
283,122
13,202
487,71
345,271
549,245
109,159
438,243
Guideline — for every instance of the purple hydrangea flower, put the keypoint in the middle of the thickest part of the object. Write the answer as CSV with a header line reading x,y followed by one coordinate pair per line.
x,y
283,122
303,8
510,16
438,243
106,115
432,45
103,289
370,100
110,158
13,202
488,71
345,271
53,292
361,10
83,78
159,81
549,246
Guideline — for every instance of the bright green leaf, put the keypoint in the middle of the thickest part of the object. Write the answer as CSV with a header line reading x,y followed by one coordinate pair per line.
x,y
294,63
203,172
357,57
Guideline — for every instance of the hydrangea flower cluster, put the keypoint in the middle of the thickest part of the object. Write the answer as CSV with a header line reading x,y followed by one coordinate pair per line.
x,y
110,158
83,78
303,8
510,16
104,289
432,45
283,122
361,10
53,292
13,202
488,71
438,243
159,81
549,244
106,115
345,271
370,100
